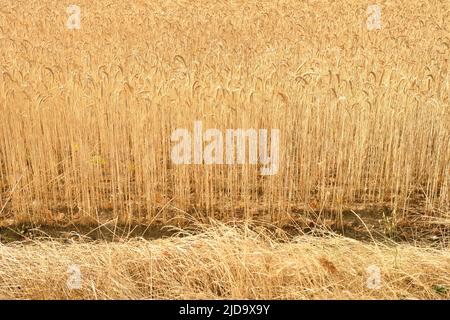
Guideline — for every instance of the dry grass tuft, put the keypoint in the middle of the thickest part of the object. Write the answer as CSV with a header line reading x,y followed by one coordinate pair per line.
x,y
224,262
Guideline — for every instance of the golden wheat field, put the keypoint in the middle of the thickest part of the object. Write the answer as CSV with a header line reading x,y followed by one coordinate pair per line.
x,y
362,166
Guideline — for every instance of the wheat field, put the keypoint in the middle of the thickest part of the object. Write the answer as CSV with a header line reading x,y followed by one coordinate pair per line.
x,y
86,117
87,114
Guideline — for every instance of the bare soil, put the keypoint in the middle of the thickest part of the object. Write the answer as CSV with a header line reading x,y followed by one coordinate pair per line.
x,y
364,225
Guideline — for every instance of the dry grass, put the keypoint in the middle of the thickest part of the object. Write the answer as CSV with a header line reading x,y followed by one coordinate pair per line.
x,y
224,262
86,115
